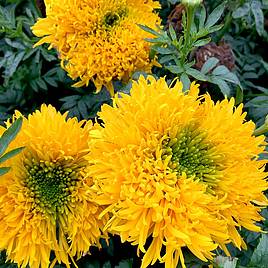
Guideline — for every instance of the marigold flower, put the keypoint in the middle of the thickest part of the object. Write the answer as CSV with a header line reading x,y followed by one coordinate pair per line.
x,y
45,200
177,171
99,40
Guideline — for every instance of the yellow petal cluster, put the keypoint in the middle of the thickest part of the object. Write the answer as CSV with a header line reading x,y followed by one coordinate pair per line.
x,y
177,171
99,40
46,210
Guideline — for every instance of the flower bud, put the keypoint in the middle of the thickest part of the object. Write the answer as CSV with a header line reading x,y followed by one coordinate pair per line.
x,y
191,2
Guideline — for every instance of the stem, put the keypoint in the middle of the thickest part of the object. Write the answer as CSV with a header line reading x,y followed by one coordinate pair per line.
x,y
187,34
226,27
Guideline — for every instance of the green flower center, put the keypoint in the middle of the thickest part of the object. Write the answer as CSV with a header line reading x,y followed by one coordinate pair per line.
x,y
189,152
113,18
50,185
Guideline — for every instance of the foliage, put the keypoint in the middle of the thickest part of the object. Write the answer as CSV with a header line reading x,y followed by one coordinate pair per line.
x,y
27,72
5,140
84,104
175,51
31,76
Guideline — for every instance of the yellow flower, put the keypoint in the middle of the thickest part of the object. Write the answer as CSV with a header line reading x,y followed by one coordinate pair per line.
x,y
99,40
45,200
176,171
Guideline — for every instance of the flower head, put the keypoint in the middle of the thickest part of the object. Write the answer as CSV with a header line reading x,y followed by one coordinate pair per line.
x,y
99,40
176,170
45,202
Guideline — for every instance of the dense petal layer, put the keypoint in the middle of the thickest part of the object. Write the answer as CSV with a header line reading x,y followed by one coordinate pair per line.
x,y
176,170
99,39
45,201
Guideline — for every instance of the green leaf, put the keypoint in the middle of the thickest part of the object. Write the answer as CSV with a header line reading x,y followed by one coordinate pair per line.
x,y
196,74
13,63
172,32
224,73
175,69
107,265
202,42
186,81
162,50
10,154
124,264
215,28
149,30
10,134
202,17
83,108
241,11
265,64
239,95
92,264
260,255
225,89
4,170
166,58
215,15
258,16
226,262
220,70
209,65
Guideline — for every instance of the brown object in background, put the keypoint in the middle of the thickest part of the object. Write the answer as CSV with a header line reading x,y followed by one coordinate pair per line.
x,y
223,52
266,24
42,7
175,18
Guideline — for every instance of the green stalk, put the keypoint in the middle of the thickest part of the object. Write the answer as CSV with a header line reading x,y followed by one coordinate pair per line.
x,y
187,34
226,27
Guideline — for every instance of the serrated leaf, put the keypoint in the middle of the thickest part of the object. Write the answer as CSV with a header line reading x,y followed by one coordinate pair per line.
x,y
9,135
215,15
209,65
